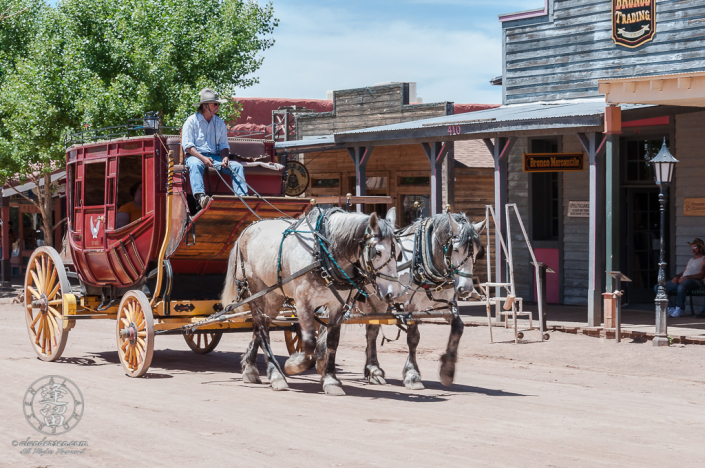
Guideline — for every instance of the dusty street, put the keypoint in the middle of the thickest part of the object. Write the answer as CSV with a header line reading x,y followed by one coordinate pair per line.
x,y
572,401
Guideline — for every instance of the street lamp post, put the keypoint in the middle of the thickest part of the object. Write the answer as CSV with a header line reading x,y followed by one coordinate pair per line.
x,y
663,164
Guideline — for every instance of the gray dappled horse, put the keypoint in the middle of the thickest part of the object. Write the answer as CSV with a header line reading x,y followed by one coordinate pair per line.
x,y
269,250
438,255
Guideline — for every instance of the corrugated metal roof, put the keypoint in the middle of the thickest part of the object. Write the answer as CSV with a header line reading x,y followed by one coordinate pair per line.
x,y
504,114
536,116
323,140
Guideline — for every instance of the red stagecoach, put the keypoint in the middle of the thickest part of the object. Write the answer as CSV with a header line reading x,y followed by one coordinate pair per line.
x,y
163,270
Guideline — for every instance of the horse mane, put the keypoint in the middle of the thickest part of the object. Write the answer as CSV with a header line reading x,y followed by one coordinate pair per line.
x,y
468,235
346,231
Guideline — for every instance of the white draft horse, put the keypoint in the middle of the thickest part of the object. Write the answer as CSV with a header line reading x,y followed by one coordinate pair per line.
x,y
438,255
352,248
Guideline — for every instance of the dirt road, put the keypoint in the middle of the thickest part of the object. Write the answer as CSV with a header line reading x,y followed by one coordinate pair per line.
x,y
572,401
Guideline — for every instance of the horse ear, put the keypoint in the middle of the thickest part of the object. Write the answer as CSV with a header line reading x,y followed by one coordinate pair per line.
x,y
392,217
374,222
453,225
480,227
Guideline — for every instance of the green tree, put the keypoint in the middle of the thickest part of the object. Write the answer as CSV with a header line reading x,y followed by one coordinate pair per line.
x,y
98,63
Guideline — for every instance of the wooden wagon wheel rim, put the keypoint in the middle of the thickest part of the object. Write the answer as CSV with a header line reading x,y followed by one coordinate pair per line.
x,y
292,339
135,333
44,287
203,343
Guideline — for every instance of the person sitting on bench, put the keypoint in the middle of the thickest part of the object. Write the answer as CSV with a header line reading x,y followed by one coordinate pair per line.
x,y
687,280
205,140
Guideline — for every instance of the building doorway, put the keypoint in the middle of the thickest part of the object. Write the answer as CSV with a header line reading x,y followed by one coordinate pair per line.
x,y
641,219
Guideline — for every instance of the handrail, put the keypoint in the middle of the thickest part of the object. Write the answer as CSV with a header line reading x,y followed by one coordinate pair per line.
x,y
162,251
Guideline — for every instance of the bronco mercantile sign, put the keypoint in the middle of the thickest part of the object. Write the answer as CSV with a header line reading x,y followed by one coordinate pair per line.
x,y
633,22
553,162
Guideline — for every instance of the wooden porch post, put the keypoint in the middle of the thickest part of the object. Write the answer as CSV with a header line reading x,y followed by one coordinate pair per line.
x,y
360,156
500,149
436,152
592,145
612,202
6,247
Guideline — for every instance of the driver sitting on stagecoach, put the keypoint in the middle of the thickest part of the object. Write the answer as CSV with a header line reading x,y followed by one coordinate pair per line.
x,y
204,138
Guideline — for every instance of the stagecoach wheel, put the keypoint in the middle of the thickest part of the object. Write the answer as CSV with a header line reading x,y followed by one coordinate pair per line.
x,y
546,336
293,339
520,335
47,295
135,333
203,343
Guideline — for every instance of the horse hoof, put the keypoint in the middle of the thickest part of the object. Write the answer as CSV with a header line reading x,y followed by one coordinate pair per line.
x,y
375,375
376,380
279,384
447,376
412,380
298,363
332,386
251,376
334,390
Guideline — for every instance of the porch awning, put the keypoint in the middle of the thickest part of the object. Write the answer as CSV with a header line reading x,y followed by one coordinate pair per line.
x,y
677,89
6,192
534,119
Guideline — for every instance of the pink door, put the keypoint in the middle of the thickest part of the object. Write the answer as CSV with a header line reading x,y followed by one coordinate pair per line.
x,y
551,258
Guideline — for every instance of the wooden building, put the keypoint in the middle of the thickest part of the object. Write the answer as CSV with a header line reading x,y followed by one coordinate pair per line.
x,y
602,214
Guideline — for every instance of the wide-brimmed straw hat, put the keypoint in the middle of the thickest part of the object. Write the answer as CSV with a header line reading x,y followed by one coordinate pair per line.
x,y
207,96
698,241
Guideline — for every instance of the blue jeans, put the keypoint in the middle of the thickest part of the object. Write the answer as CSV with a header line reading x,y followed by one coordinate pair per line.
x,y
682,290
235,170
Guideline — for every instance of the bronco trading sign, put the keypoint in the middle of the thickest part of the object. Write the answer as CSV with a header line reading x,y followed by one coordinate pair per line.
x,y
633,22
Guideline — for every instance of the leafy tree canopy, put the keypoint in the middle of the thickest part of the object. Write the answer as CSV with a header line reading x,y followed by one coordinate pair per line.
x,y
101,62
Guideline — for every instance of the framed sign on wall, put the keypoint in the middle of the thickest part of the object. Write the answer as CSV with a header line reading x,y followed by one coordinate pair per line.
x,y
633,22
553,162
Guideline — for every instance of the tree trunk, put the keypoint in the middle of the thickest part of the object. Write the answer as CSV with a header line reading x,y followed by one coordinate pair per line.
x,y
46,207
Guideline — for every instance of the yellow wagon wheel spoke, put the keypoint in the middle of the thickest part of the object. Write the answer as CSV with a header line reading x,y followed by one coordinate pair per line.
x,y
135,333
46,286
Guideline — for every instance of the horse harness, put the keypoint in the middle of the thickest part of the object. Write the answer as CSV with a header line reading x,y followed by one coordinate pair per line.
x,y
424,274
331,273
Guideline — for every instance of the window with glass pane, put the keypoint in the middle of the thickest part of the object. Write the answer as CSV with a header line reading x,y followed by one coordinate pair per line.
x,y
638,154
545,196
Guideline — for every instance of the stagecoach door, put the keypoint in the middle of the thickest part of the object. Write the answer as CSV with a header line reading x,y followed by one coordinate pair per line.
x,y
94,205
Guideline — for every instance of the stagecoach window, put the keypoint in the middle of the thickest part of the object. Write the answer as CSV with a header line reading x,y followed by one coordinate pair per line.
x,y
129,173
94,176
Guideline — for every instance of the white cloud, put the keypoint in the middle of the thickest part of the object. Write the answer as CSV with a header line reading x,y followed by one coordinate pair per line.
x,y
323,49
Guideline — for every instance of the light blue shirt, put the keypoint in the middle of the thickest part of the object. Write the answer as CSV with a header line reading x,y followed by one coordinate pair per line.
x,y
206,137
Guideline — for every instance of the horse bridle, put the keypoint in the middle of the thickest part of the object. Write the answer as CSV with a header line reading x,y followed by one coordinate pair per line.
x,y
369,253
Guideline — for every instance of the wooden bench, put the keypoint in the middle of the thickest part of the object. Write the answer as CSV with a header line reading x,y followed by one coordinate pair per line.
x,y
700,292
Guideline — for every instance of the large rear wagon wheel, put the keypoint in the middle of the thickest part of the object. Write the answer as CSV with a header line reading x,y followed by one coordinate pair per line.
x,y
47,293
203,343
135,333
293,339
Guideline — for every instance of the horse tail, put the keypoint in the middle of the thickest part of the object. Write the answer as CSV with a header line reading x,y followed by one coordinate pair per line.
x,y
230,289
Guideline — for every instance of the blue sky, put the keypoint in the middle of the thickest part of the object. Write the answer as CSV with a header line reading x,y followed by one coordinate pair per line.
x,y
450,48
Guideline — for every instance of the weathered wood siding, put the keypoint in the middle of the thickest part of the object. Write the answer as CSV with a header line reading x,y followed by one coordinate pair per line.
x,y
563,58
474,189
689,176
367,107
576,187
518,192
